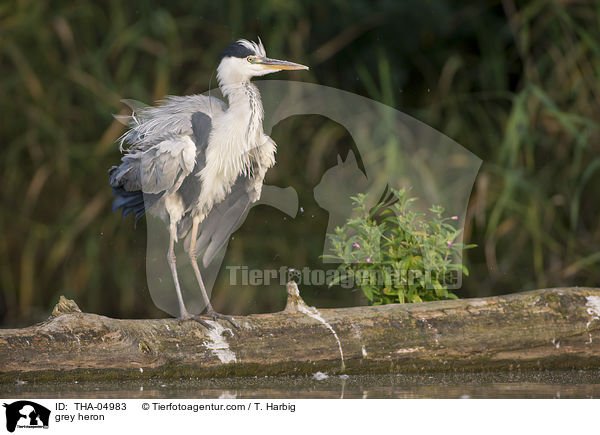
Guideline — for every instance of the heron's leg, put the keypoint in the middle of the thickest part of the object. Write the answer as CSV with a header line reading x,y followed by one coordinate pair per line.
x,y
183,314
210,312
173,265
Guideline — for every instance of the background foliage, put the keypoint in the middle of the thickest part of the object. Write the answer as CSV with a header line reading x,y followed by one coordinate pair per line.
x,y
516,83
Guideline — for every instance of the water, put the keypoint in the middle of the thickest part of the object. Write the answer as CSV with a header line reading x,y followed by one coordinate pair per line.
x,y
538,384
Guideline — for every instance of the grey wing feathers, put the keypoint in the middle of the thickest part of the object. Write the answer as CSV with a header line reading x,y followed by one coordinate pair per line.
x,y
201,127
126,175
191,186
160,168
168,146
150,124
164,166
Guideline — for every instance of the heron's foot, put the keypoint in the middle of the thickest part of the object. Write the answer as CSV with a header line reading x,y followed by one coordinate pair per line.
x,y
187,316
213,315
202,321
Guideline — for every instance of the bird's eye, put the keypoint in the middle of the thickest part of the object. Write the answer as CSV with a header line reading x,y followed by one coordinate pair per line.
x,y
250,59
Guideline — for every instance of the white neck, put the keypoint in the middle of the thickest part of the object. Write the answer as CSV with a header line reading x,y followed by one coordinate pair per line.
x,y
240,129
245,106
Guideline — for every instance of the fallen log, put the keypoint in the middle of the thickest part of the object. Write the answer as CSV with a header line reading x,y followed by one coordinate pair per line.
x,y
541,329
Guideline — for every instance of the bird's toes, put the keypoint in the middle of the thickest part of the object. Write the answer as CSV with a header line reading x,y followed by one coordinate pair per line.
x,y
233,322
201,321
214,315
186,316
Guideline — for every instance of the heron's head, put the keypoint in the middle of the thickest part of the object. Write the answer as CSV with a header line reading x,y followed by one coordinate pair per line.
x,y
243,59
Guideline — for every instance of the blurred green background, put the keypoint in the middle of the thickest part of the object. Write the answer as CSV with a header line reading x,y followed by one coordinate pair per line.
x,y
516,83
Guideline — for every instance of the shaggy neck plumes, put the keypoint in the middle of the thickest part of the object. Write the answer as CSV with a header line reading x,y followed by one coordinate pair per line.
x,y
238,134
243,98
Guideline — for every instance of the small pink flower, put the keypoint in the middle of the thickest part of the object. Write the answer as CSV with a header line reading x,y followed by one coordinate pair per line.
x,y
368,260
356,245
450,243
454,218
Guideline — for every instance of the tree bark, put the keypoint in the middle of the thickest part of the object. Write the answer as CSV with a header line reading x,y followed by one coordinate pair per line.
x,y
545,329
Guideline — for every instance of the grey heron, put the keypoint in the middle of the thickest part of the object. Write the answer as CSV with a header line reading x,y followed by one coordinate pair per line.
x,y
198,163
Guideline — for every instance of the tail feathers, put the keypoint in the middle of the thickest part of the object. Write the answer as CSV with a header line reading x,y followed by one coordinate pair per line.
x,y
130,202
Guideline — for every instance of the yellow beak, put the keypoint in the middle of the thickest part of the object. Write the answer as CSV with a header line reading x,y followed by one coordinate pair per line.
x,y
278,64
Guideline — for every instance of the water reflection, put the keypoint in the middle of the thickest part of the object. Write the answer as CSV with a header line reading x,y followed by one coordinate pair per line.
x,y
543,384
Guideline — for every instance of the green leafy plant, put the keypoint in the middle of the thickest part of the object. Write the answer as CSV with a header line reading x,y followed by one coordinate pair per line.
x,y
396,254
